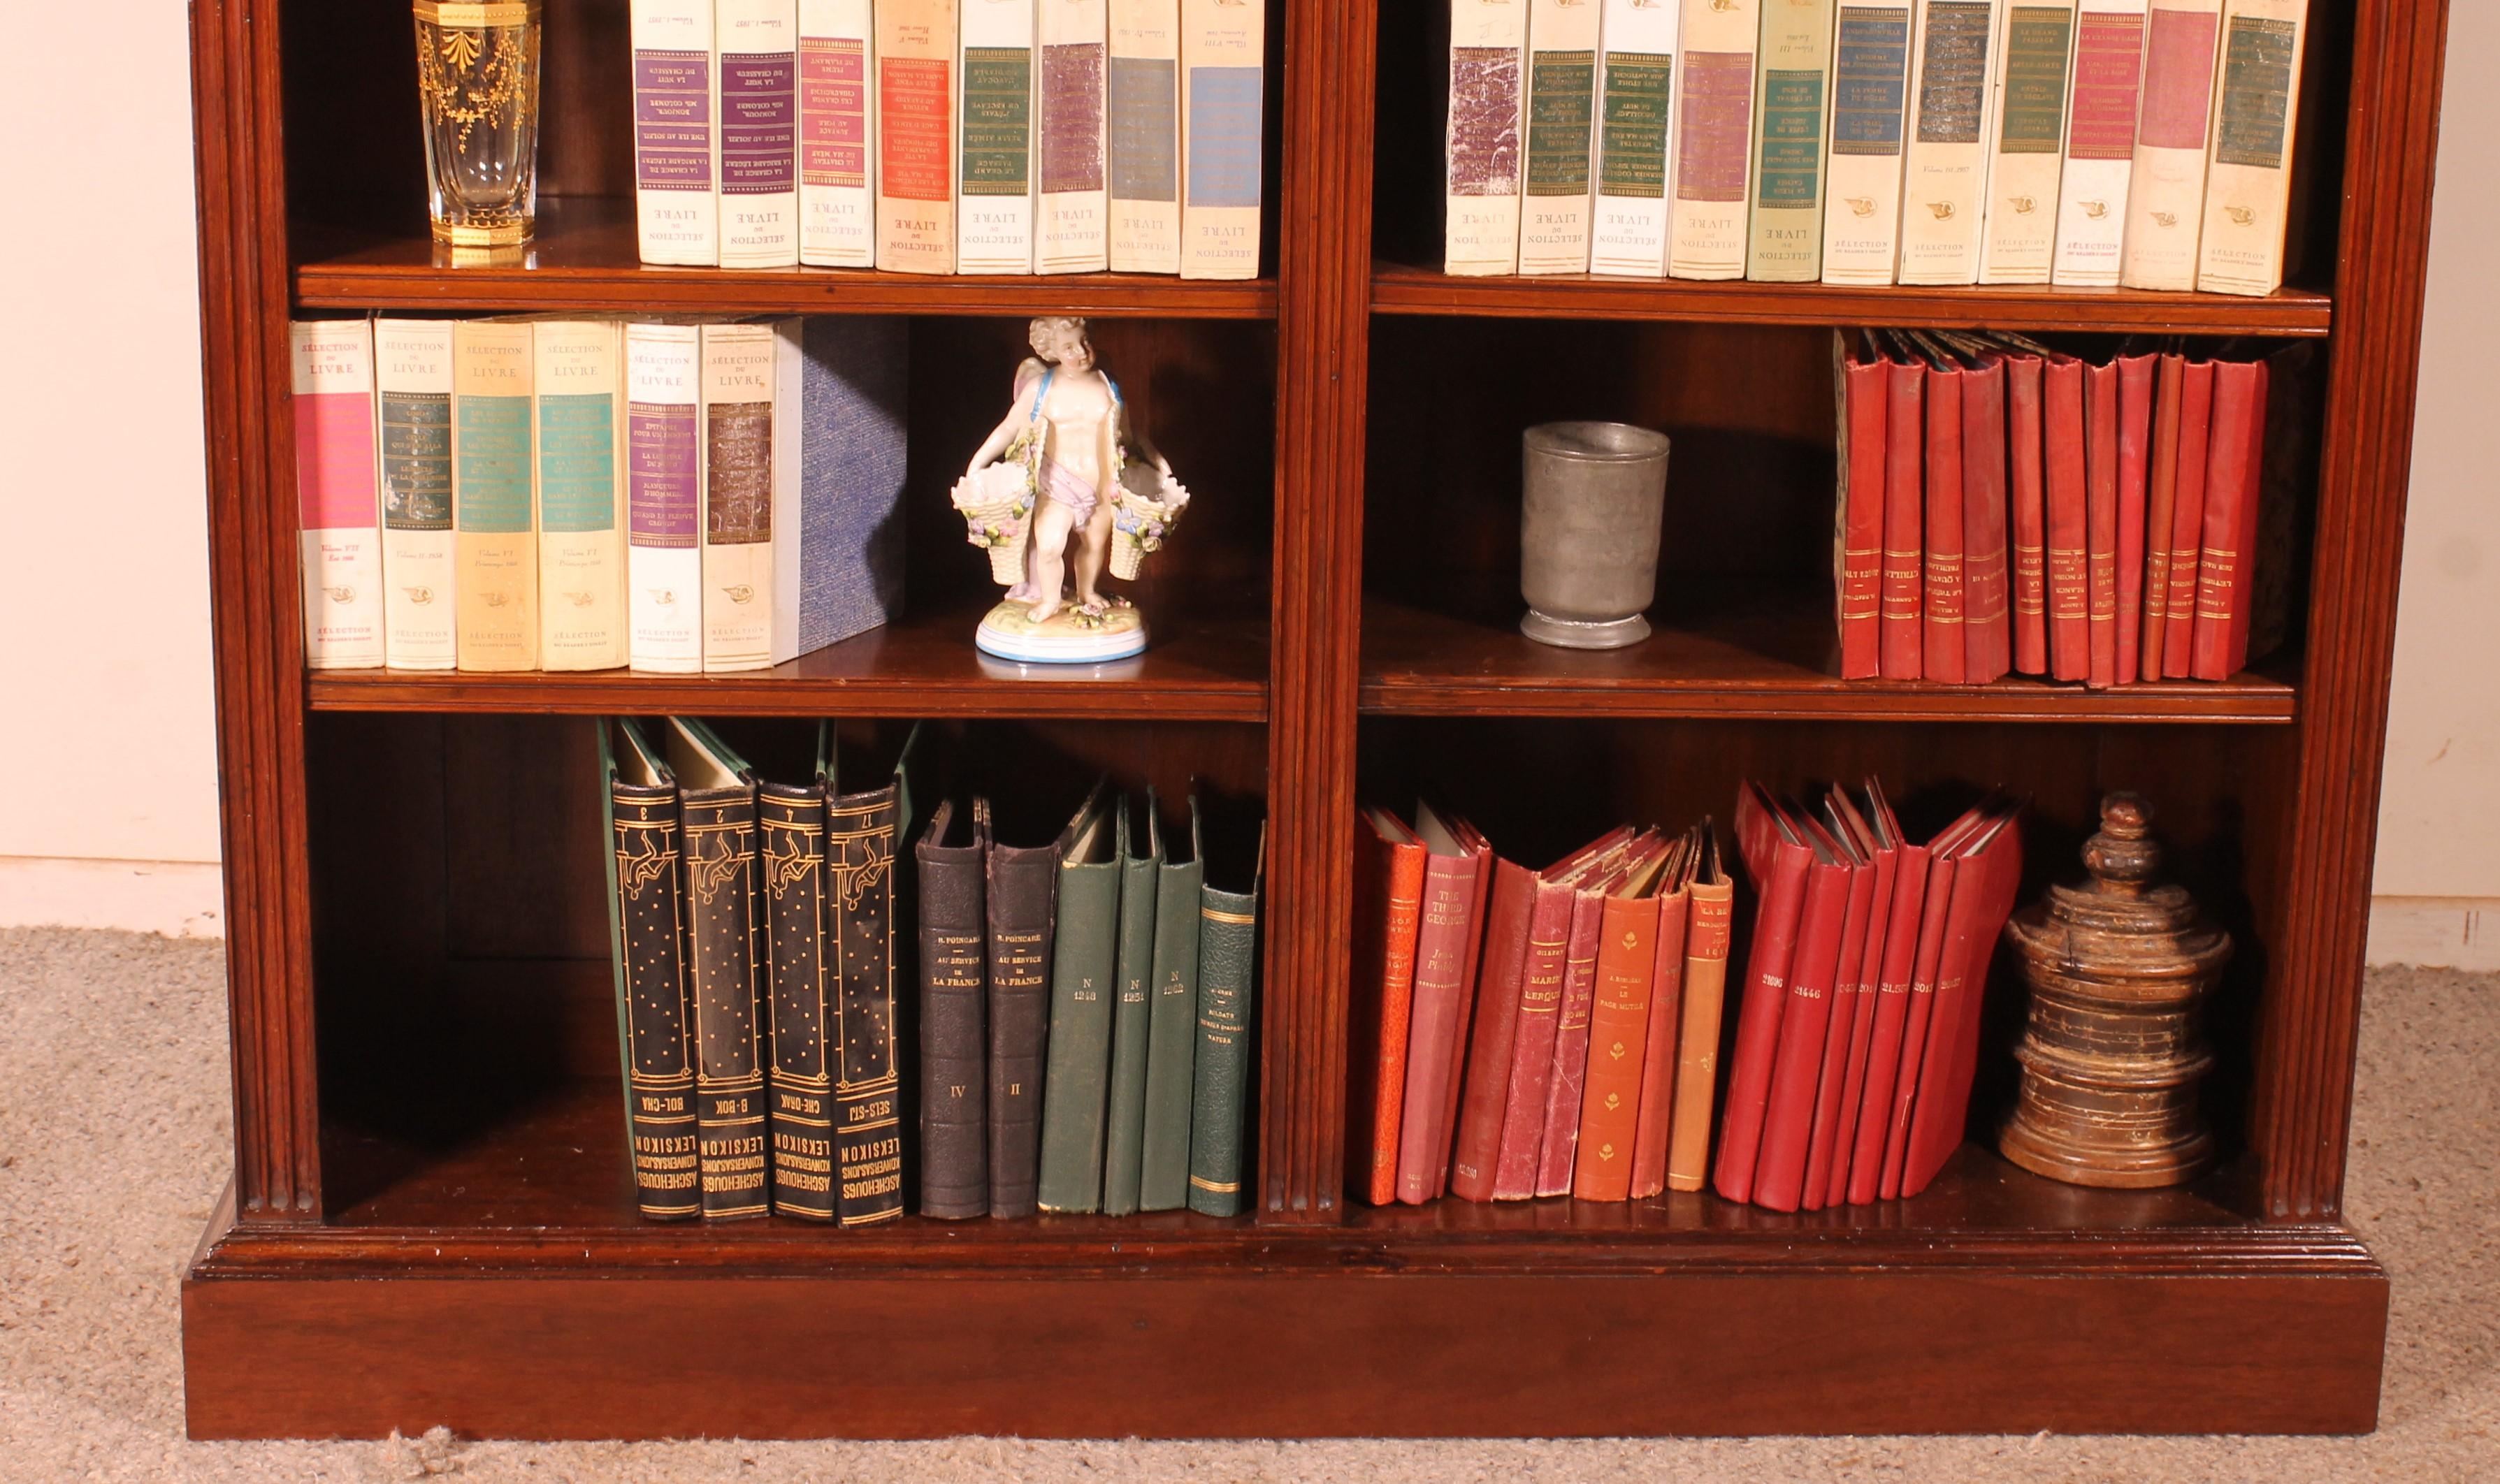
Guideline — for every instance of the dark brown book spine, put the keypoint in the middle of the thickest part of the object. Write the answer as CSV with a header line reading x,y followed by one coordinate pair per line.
x,y
867,1095
660,1076
729,1066
792,824
1021,882
954,990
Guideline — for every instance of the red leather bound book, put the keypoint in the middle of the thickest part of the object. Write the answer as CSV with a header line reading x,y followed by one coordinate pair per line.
x,y
2134,468
1891,1016
1778,867
2231,474
2161,503
1942,866
1543,971
1653,1125
1557,1144
1622,1008
1445,1133
2070,644
1388,912
1840,1029
2101,521
2188,519
1987,618
1787,1126
1940,651
1478,1137
2028,496
1883,853
1985,881
1705,987
1905,532
1866,411
1445,948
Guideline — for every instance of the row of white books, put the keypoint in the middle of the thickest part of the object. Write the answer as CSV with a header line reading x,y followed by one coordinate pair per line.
x,y
2094,142
951,136
538,493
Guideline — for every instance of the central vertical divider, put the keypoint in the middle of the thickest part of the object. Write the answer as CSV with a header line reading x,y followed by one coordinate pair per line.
x,y
1323,335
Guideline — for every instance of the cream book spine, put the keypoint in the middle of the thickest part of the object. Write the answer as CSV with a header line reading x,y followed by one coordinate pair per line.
x,y
1561,104
2101,110
677,132
2249,179
2018,242
1481,145
1222,56
994,134
413,379
1635,136
1145,135
336,470
1870,94
759,133
1792,102
494,474
736,521
664,472
915,136
2165,198
1714,140
791,567
578,378
837,98
1944,179
1072,217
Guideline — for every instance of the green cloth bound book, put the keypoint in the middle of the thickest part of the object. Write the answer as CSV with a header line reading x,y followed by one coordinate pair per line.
x,y
1124,1137
1078,1069
1227,978
1171,1043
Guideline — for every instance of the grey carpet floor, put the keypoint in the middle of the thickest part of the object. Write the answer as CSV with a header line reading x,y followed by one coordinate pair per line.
x,y
115,1103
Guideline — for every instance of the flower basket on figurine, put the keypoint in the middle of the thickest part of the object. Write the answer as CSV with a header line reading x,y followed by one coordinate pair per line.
x,y
997,507
1140,520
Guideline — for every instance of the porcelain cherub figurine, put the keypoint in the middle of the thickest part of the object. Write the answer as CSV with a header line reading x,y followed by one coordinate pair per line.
x,y
1065,487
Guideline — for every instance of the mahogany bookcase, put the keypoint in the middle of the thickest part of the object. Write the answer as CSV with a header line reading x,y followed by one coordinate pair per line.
x,y
430,1220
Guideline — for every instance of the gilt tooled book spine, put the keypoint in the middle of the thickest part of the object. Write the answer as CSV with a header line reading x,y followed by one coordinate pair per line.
x,y
868,1093
1021,885
759,133
729,1073
2019,242
2101,460
335,474
2027,517
2249,179
2188,519
1172,1039
648,899
2160,507
1988,622
1942,646
1220,1102
1696,1065
954,989
413,380
2135,375
2100,141
1124,1131
1084,959
1871,91
791,821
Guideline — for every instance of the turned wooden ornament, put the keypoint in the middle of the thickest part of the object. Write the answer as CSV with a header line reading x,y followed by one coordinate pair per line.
x,y
2113,1054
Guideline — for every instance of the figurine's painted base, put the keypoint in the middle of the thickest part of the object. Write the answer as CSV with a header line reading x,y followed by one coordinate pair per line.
x,y
1584,633
1066,637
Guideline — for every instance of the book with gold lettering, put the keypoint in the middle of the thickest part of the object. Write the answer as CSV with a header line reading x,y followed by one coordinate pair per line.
x,y
493,510
334,472
1085,953
2165,199
1072,203
1791,105
579,392
800,972
837,99
1871,91
916,135
646,899
1943,195
412,383
1223,108
954,991
2248,181
1145,118
1626,997
865,916
1221,1080
1714,137
1562,100
994,152
2101,116
716,804
1635,116
2019,242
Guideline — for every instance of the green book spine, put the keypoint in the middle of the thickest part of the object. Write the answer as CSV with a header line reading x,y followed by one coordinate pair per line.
x,y
1791,107
1124,1139
1171,1048
1227,974
1078,1069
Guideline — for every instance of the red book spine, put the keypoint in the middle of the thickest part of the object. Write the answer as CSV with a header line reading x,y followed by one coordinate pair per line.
x,y
1779,879
1655,1126
2029,516
1840,1033
2232,470
2188,518
2134,470
1905,535
2160,506
1445,1133
2069,587
1941,868
1496,1027
1861,528
1940,653
1861,1032
1982,896
1619,1020
1389,909
1558,1147
1442,952
1541,979
1900,951
1988,628
2100,521
1787,1127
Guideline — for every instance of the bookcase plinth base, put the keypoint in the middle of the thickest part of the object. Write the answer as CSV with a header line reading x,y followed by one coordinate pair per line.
x,y
1288,1333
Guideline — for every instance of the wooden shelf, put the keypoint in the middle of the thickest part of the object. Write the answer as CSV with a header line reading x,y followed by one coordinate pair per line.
x,y
1398,288
585,261
921,665
1769,656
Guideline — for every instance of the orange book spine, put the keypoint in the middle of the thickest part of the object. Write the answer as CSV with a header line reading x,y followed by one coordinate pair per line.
x,y
1390,907
1652,1128
1619,1017
1697,1062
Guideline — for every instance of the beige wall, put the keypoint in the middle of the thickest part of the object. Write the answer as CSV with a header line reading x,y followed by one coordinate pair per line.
x,y
103,585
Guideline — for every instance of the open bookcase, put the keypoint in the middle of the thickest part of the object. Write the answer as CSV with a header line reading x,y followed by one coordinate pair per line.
x,y
431,1220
